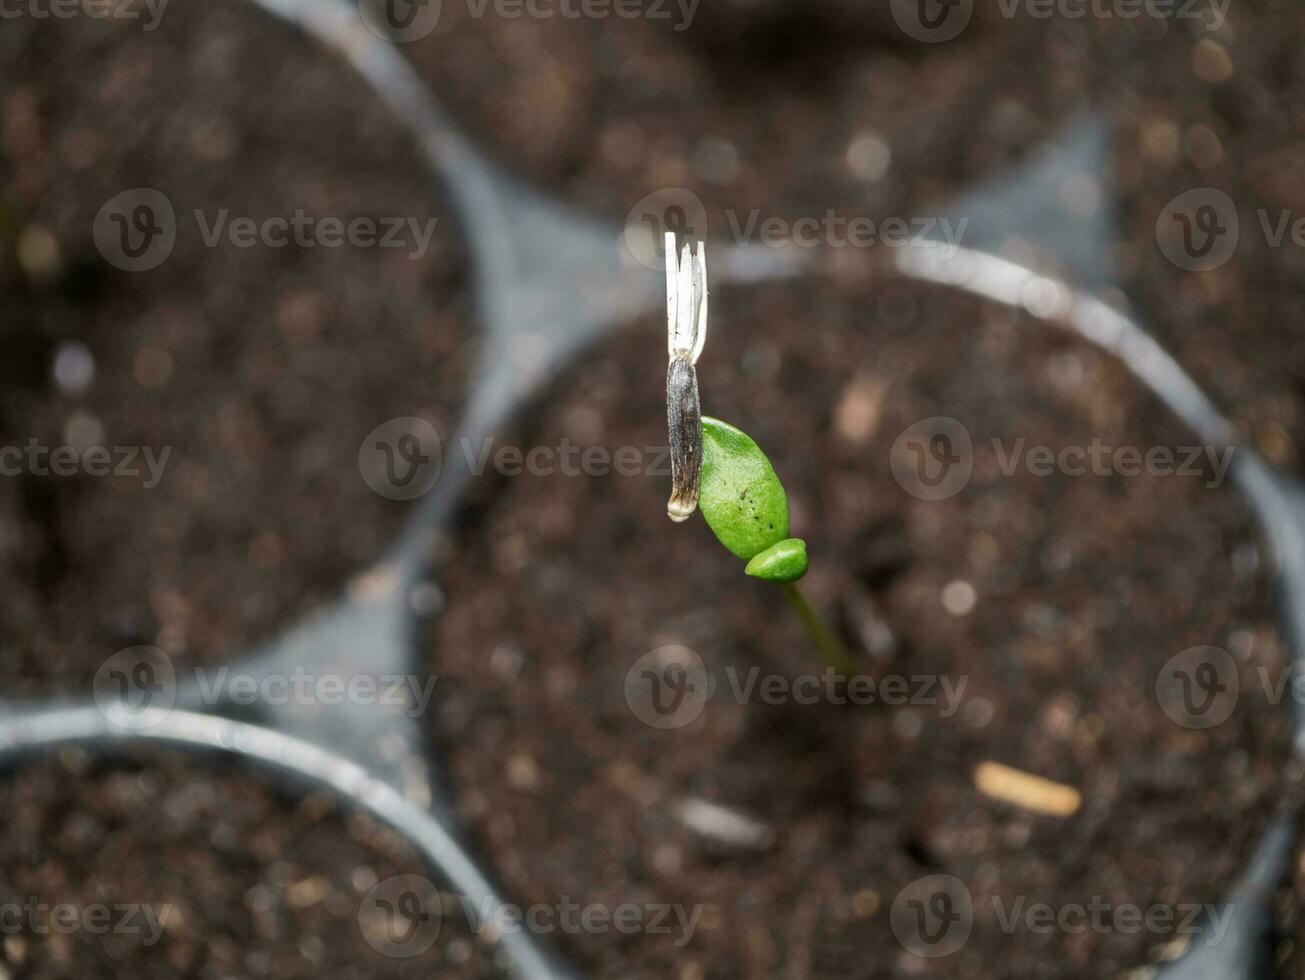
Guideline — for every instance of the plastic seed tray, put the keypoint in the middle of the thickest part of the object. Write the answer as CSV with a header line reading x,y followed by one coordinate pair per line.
x,y
548,281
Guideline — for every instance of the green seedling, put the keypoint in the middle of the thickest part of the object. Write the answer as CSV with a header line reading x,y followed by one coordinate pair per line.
x,y
720,470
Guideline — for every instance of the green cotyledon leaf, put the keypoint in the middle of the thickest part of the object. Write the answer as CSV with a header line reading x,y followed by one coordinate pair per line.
x,y
740,496
783,562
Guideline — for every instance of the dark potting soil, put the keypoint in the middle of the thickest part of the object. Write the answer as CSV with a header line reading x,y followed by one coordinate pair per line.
x,y
778,108
258,369
1215,124
1050,607
790,107
1291,917
205,872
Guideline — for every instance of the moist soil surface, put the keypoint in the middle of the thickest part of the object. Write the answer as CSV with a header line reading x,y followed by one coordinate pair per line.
x,y
256,365
1213,132
790,108
1050,606
240,880
1291,917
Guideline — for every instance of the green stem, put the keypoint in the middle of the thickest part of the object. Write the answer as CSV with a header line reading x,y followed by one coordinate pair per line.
x,y
827,642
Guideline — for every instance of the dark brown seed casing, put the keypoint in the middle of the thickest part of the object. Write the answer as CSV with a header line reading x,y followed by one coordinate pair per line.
x,y
684,420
